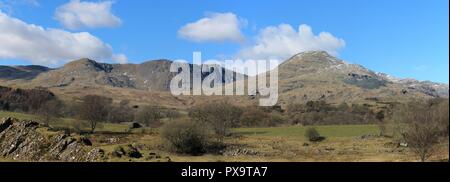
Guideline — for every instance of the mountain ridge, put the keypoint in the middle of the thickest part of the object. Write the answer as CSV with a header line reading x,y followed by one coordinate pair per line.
x,y
313,75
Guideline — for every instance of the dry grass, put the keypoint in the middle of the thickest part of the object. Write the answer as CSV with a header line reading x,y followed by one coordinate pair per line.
x,y
279,144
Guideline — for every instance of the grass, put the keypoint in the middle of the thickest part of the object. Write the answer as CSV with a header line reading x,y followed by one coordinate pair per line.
x,y
299,131
278,144
329,131
17,115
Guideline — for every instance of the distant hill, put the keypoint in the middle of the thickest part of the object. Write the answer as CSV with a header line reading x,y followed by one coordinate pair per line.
x,y
21,72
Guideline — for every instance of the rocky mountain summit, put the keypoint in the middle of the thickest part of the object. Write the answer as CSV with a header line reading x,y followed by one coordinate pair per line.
x,y
29,141
316,75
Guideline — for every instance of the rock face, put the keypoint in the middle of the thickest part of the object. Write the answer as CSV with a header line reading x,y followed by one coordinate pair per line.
x,y
28,141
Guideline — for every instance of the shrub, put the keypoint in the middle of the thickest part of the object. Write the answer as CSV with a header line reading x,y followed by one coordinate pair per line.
x,y
313,135
185,137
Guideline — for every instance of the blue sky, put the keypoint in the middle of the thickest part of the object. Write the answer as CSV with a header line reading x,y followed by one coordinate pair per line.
x,y
404,38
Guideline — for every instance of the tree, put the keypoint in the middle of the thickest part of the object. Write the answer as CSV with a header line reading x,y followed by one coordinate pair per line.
x,y
37,98
150,115
421,138
220,116
418,125
94,109
50,110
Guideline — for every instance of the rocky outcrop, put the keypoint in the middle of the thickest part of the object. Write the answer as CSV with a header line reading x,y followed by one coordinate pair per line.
x,y
29,141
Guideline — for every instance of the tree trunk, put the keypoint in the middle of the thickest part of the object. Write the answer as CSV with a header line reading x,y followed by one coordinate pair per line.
x,y
93,125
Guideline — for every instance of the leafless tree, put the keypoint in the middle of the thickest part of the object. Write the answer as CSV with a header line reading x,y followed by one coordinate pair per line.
x,y
94,109
419,125
220,116
50,110
150,115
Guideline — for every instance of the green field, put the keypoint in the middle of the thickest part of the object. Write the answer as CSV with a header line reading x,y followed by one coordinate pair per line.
x,y
299,131
286,131
17,115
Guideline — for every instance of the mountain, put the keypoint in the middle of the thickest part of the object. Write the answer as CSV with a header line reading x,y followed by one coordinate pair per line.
x,y
316,75
151,75
307,76
146,83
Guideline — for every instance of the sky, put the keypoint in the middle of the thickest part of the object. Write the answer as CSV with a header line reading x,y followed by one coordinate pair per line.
x,y
403,38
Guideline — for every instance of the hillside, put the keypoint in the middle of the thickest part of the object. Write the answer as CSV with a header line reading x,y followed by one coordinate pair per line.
x,y
304,77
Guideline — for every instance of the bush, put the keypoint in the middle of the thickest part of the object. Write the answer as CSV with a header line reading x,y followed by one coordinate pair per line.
x,y
185,137
313,135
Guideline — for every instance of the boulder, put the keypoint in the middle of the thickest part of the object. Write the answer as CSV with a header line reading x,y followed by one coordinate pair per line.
x,y
135,125
22,141
127,150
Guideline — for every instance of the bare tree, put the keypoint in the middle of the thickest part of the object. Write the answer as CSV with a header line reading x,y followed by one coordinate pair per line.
x,y
220,116
150,115
50,110
421,138
418,125
94,109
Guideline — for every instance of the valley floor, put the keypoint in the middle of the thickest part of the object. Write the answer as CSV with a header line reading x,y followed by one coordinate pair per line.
x,y
349,143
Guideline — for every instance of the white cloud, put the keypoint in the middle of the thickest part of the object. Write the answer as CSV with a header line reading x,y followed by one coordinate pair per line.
x,y
215,27
282,41
120,58
51,47
77,14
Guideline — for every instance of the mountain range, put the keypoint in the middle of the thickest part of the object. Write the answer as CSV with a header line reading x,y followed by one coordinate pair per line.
x,y
307,76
